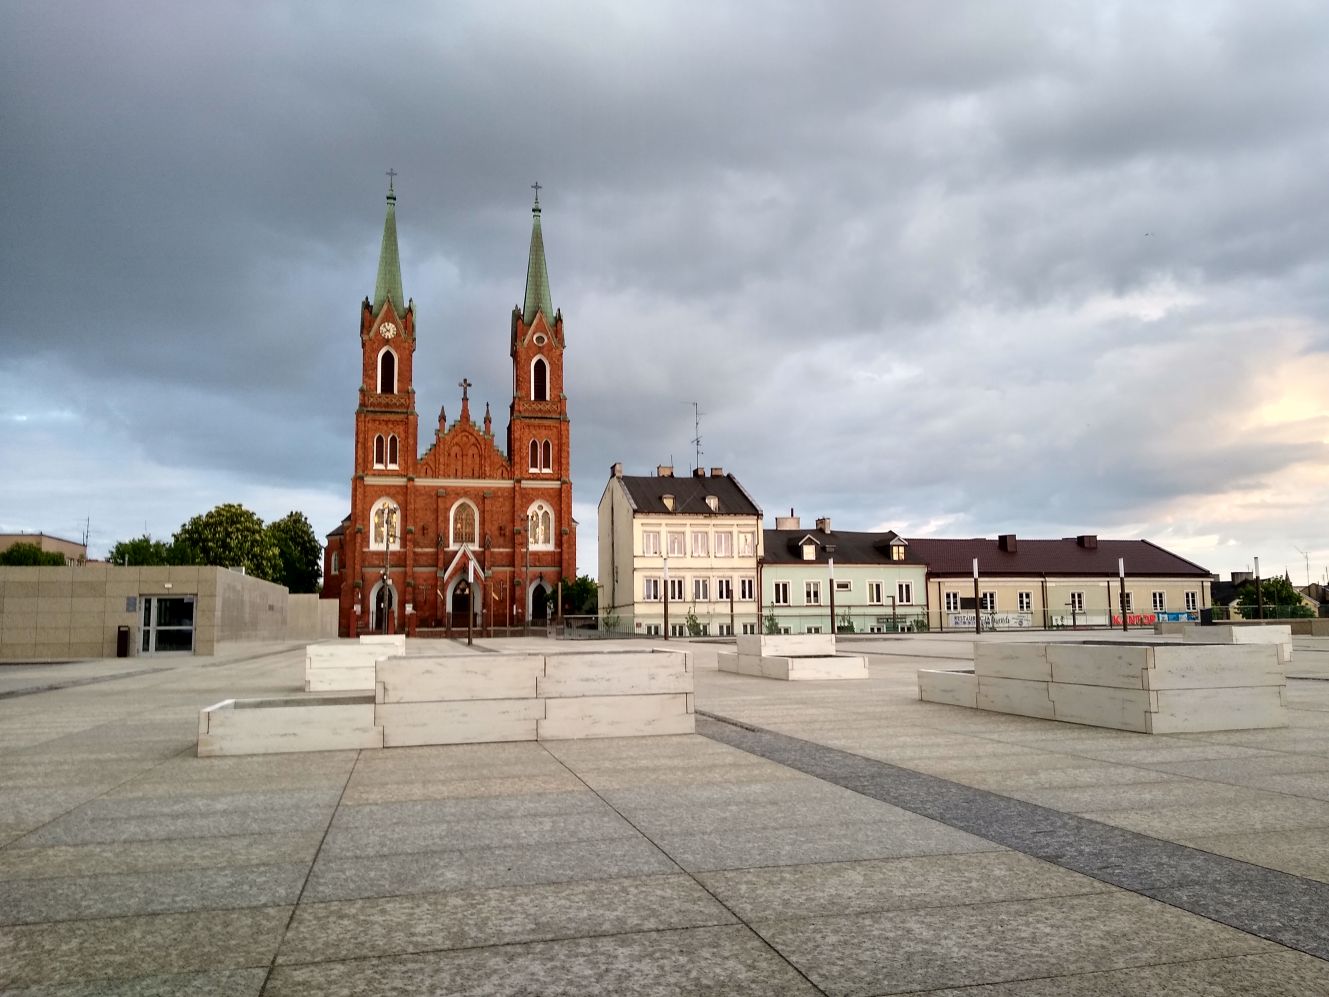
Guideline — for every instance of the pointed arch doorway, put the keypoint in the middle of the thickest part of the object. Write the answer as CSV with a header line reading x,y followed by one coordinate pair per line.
x,y
382,606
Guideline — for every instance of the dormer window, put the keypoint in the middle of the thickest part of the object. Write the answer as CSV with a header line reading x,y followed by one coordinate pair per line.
x,y
897,551
809,552
668,501
713,503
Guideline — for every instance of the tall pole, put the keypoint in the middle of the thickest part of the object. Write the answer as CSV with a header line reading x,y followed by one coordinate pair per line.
x,y
978,609
1121,577
526,587
830,564
1259,590
470,599
666,597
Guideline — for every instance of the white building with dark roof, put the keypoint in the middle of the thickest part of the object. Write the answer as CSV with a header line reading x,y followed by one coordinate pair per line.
x,y
679,555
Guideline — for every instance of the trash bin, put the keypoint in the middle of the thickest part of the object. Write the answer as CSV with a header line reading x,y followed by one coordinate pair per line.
x,y
122,642
1206,617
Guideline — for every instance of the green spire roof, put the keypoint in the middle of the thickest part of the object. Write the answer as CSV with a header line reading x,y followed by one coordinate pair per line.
x,y
537,274
388,284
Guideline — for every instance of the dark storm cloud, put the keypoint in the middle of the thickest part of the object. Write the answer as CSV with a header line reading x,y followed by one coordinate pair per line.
x,y
977,263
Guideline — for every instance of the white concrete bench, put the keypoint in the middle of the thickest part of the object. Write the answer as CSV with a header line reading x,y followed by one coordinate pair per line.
x,y
792,658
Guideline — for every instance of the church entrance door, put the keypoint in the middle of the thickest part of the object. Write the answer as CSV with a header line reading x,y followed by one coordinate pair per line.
x,y
385,602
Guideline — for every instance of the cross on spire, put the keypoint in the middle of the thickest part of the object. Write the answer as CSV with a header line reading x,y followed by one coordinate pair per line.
x,y
465,386
536,187
391,175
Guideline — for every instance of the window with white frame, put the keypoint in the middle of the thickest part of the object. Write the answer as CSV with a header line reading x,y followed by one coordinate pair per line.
x,y
534,463
700,543
336,564
392,450
678,630
1192,601
812,628
677,543
876,628
1025,602
724,544
1160,602
1130,602
724,589
464,522
380,451
652,630
809,551
539,380
904,592
540,521
650,543
897,551
701,589
952,602
675,590
749,629
650,589
724,629
546,456
812,592
746,543
1077,602
746,589
988,602
780,593
844,585
387,372
876,593
385,524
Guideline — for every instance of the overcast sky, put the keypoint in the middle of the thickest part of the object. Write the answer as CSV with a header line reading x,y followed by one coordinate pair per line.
x,y
949,269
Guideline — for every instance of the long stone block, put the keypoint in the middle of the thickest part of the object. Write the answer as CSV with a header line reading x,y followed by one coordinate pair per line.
x,y
465,722
1019,696
614,673
787,645
1103,706
1193,710
1013,661
273,726
425,679
397,641
950,688
615,716
1215,666
825,668
349,679
1118,666
1269,633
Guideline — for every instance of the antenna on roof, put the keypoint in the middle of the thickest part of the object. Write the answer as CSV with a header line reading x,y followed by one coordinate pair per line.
x,y
696,440
1308,564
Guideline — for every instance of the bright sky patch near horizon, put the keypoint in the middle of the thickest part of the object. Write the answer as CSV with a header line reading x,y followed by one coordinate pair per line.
x,y
1029,267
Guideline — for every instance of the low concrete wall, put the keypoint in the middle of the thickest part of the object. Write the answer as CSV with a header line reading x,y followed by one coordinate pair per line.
x,y
1151,688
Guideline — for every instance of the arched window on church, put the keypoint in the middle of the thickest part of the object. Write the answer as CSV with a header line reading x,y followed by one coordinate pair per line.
x,y
392,450
535,456
464,524
379,459
540,380
335,567
540,521
547,456
385,525
387,372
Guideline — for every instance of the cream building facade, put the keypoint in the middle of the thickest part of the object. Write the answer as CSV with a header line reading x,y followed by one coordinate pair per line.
x,y
678,556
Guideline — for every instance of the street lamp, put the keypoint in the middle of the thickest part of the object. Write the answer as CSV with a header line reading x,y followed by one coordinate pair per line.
x,y
666,596
1259,594
1121,577
978,610
830,563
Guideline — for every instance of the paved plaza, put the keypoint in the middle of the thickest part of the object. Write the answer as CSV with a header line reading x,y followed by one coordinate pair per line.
x,y
811,838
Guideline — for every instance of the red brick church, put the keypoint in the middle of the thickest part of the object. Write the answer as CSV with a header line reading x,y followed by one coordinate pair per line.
x,y
475,524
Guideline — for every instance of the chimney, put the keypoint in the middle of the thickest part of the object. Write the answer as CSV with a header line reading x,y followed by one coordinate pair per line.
x,y
789,522
617,469
717,472
824,524
664,470
668,501
1006,542
1088,541
699,472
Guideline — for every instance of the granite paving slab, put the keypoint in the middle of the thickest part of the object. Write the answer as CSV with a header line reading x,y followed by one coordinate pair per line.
x,y
366,791
1277,974
1139,796
1009,781
148,945
66,898
371,815
471,918
461,835
222,983
720,961
900,951
892,884
1302,853
1283,813
439,871
148,856
77,828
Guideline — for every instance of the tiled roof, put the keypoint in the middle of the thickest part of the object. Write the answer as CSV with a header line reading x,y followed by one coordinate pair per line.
x,y
785,547
647,496
1053,557
341,528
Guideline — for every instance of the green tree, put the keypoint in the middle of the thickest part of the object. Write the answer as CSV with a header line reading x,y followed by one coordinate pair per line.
x,y
26,555
1280,600
230,536
691,622
581,596
299,552
770,624
145,550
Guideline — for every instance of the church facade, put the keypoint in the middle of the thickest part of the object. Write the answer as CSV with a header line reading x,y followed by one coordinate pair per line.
x,y
476,525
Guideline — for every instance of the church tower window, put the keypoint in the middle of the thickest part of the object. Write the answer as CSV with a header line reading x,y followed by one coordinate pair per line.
x,y
387,372
392,450
534,464
540,380
385,525
541,523
379,456
547,457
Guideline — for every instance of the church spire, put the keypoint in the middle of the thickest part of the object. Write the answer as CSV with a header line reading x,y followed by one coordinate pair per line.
x,y
537,275
388,284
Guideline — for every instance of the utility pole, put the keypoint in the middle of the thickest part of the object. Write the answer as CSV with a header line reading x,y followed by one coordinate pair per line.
x,y
978,610
830,562
1121,575
696,439
666,597
1259,590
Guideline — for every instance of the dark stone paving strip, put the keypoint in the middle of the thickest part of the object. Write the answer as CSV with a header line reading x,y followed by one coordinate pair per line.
x,y
1275,905
91,680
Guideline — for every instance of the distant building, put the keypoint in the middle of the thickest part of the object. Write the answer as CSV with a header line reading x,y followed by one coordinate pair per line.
x,y
74,552
880,583
679,555
1057,583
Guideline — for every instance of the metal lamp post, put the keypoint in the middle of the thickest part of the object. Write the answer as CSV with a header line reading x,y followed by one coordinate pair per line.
x,y
978,609
1121,577
1259,591
666,596
830,564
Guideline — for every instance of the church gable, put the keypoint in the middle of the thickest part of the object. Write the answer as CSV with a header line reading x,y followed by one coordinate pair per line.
x,y
463,451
